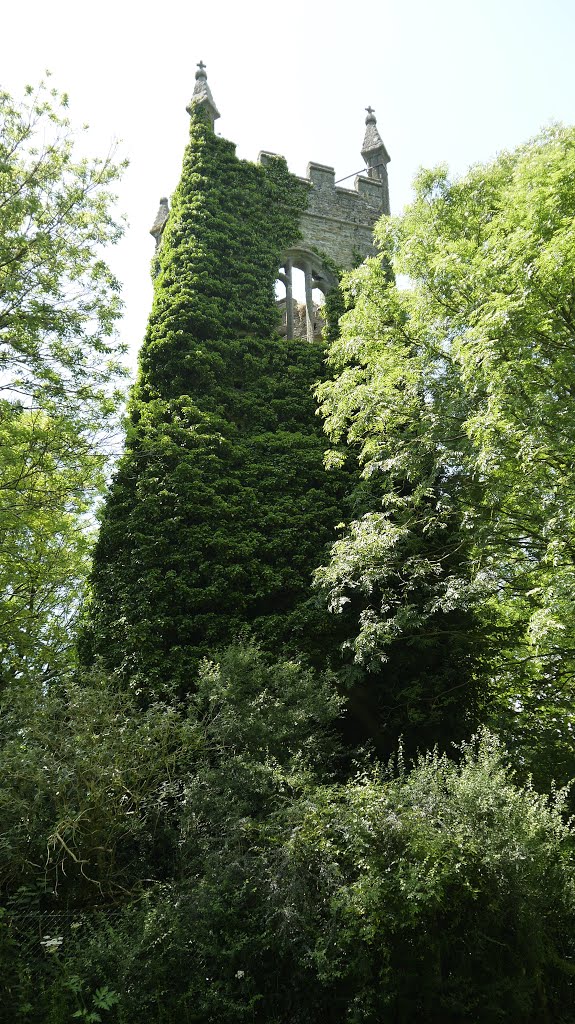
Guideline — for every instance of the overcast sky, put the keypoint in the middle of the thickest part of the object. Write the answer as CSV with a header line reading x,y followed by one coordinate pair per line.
x,y
452,81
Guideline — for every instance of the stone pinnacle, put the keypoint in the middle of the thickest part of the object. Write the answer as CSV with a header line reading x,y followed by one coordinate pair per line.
x,y
202,95
372,141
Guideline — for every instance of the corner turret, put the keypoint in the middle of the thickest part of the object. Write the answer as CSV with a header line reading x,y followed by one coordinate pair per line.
x,y
376,156
202,95
159,224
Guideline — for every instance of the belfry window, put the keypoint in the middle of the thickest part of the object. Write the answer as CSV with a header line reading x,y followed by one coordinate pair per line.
x,y
301,289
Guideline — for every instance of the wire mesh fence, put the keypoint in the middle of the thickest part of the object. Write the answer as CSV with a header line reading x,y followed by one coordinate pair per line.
x,y
44,958
42,933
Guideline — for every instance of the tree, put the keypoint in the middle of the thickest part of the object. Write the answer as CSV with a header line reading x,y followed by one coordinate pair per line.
x,y
59,303
456,390
399,576
221,507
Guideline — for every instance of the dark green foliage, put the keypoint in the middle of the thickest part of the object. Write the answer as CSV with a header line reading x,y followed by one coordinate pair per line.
x,y
334,303
90,787
221,508
148,829
334,307
443,894
217,520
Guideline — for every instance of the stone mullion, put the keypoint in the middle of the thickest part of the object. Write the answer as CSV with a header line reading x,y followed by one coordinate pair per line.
x,y
289,299
309,300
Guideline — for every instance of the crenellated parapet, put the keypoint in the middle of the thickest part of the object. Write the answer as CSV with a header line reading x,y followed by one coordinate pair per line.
x,y
336,229
340,221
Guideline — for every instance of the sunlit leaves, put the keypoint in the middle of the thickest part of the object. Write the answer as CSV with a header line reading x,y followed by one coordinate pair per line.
x,y
59,363
455,386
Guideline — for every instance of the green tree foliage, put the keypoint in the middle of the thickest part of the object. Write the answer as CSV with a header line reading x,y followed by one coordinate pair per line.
x,y
398,576
455,389
58,360
513,334
221,508
444,894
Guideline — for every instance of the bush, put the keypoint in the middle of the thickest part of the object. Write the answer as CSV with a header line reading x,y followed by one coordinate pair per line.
x,y
446,893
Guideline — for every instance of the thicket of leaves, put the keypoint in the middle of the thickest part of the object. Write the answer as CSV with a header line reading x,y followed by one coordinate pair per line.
x,y
250,886
106,806
456,393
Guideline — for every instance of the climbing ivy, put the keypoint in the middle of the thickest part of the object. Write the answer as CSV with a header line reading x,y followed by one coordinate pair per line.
x,y
221,508
334,308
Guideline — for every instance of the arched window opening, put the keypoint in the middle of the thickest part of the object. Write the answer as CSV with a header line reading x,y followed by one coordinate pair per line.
x,y
281,302
306,284
298,278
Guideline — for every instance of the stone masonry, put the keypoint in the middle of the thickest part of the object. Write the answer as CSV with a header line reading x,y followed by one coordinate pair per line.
x,y
337,226
338,221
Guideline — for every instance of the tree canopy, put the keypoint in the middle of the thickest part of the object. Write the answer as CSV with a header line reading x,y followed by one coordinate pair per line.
x,y
59,366
455,389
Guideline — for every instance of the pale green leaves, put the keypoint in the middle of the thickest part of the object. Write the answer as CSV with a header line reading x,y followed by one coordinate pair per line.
x,y
457,394
59,361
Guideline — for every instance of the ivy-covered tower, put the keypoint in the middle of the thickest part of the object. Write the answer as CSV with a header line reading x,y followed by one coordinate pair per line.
x,y
221,508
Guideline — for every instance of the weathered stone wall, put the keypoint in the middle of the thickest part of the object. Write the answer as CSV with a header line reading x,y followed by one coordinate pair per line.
x,y
339,222
299,319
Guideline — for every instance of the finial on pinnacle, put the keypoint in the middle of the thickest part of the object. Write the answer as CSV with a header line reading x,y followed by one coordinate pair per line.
x,y
202,94
372,140
374,153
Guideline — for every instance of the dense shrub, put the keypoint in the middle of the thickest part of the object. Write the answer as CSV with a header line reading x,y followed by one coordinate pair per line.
x,y
446,892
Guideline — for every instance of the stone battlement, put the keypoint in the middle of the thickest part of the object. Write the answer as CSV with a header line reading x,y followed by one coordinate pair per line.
x,y
339,222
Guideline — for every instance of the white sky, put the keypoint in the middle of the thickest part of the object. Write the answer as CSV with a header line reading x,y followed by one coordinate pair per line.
x,y
451,81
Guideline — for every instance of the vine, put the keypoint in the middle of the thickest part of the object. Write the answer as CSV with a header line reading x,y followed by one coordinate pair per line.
x,y
221,509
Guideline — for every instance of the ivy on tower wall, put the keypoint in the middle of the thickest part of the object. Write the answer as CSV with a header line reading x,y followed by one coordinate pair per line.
x,y
221,508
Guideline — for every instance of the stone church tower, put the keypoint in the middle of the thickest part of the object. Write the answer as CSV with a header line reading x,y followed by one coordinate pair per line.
x,y
336,228
222,508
